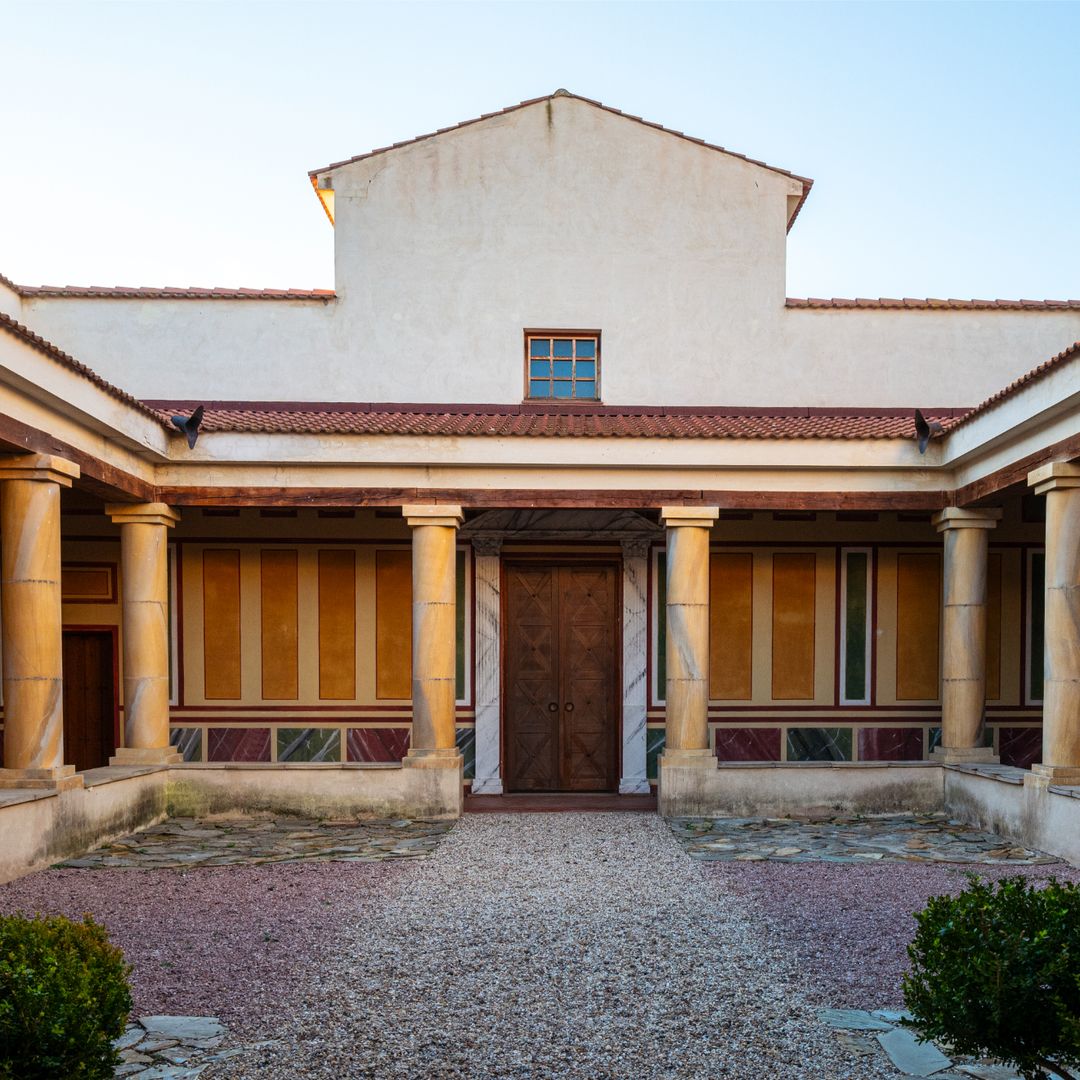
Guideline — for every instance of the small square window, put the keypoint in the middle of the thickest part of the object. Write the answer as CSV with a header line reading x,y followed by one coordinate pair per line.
x,y
564,365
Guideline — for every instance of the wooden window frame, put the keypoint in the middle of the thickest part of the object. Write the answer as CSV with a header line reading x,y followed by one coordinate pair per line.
x,y
571,402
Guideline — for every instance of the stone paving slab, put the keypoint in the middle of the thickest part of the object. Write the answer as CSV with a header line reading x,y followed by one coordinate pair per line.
x,y
174,1047
183,843
917,838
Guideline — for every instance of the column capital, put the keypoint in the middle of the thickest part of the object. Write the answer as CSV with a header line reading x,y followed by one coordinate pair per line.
x,y
436,514
636,547
953,517
1054,476
154,513
58,470
487,545
700,516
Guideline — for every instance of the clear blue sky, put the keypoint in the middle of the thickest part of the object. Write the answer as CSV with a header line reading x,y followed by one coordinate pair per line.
x,y
168,143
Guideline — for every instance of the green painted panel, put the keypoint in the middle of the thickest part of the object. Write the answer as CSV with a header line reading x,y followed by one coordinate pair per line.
x,y
654,747
459,608
466,743
661,626
308,744
855,627
819,744
1038,625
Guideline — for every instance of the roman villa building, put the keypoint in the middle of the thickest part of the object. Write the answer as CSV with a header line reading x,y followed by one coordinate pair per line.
x,y
556,491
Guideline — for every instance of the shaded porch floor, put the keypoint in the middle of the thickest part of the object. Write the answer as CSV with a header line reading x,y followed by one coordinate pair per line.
x,y
558,802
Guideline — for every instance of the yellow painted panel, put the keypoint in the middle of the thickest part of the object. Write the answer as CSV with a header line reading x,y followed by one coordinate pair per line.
x,y
337,625
794,612
221,624
393,624
918,626
993,627
731,626
280,680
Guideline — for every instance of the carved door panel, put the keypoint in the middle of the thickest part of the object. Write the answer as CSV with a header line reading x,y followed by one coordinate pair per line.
x,y
532,736
588,669
561,677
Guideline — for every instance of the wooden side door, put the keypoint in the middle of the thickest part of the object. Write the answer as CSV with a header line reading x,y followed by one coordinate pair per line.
x,y
89,698
561,675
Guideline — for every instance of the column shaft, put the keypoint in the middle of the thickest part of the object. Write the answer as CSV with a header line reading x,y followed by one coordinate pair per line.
x,y
963,668
634,779
687,630
487,567
144,579
1061,683
30,609
434,633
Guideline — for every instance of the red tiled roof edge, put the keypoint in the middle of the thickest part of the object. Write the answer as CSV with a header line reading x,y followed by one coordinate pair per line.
x,y
372,418
193,292
35,341
1036,373
913,304
806,182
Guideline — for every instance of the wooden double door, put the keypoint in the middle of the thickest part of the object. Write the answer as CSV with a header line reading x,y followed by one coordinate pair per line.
x,y
561,676
89,698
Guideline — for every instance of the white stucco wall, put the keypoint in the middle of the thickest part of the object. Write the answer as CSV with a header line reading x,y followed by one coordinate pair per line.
x,y
558,215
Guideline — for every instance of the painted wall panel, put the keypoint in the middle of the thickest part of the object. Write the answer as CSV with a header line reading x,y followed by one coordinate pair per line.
x,y
221,624
337,625
731,626
918,626
794,605
280,630
393,624
993,626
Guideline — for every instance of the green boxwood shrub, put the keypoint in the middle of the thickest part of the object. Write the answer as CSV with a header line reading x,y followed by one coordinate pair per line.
x,y
997,972
64,998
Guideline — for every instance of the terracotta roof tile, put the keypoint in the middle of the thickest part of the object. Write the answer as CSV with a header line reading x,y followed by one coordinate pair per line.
x,y
539,421
932,303
35,341
806,182
172,292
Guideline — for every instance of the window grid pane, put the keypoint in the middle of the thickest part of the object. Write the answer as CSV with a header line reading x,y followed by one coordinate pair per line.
x,y
563,367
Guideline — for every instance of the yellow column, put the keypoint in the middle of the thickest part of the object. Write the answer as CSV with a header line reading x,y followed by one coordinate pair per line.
x,y
1060,482
687,740
30,609
434,635
963,667
144,585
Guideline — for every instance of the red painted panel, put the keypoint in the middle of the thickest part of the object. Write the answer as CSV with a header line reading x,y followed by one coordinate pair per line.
x,y
748,744
890,744
376,744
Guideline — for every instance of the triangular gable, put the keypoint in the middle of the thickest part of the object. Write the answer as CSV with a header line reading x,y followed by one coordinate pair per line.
x,y
326,193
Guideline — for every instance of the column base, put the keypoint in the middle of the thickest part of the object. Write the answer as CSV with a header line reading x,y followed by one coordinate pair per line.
x,y
634,785
63,778
705,759
146,755
442,758
965,755
1058,775
491,785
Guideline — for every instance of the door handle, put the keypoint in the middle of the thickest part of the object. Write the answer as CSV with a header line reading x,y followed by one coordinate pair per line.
x,y
569,706
553,706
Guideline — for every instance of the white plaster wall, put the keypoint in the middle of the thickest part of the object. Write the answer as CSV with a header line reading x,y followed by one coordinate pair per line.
x,y
558,215
10,302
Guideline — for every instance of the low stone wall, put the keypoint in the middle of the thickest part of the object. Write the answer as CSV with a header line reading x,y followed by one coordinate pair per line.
x,y
1018,806
780,789
317,790
40,828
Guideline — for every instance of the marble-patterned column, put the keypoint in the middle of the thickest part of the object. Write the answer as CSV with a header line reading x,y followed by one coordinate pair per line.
x,y
1060,483
635,653
144,586
31,615
434,636
487,572
963,666
687,741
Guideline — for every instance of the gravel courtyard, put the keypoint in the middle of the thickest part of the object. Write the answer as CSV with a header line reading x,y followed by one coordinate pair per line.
x,y
525,945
